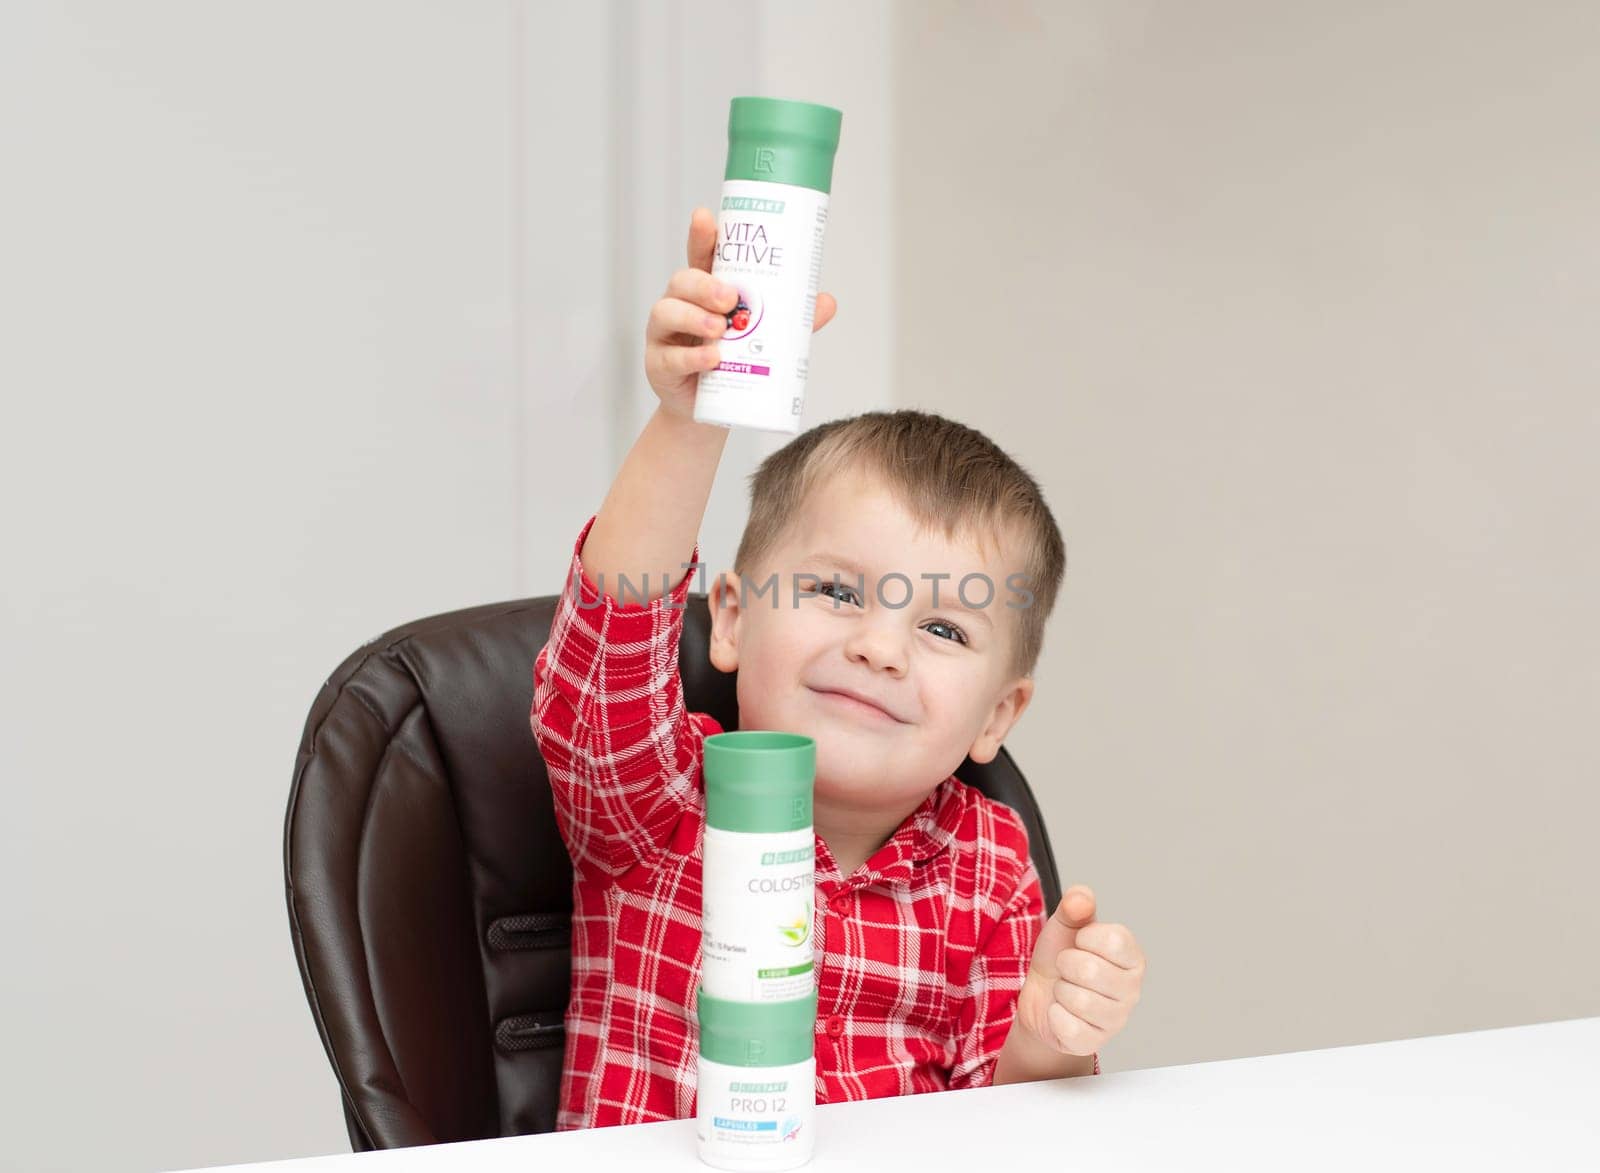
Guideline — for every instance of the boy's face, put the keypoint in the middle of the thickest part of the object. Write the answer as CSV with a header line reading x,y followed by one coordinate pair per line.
x,y
940,672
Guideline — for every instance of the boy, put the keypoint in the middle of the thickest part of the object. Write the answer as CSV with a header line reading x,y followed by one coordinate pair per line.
x,y
915,565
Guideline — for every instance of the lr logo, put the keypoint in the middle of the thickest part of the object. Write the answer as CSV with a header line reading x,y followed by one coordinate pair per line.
x,y
795,410
764,159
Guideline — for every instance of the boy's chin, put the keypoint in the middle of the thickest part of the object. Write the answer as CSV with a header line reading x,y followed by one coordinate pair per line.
x,y
852,777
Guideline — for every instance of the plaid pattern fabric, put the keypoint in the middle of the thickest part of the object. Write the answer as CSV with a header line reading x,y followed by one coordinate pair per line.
x,y
920,953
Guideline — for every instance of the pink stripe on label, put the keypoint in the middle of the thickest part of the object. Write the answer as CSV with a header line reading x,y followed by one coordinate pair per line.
x,y
743,368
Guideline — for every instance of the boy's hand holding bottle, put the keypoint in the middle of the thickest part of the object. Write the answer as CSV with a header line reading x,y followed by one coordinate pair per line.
x,y
689,320
648,523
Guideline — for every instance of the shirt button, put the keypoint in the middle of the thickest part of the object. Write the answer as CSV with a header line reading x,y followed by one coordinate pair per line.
x,y
835,1026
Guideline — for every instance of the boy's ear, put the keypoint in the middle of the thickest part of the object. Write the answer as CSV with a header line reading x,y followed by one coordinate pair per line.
x,y
723,602
1001,720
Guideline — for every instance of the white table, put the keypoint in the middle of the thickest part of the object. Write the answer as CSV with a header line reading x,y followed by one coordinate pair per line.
x,y
1515,1099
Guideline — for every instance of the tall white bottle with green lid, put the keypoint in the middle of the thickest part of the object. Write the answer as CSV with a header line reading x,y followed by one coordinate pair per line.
x,y
756,1095
757,998
770,226
758,917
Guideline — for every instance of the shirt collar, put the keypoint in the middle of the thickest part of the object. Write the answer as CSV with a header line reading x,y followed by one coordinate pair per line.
x,y
924,833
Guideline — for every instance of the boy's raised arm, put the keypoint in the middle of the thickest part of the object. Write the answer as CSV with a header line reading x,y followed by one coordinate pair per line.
x,y
608,711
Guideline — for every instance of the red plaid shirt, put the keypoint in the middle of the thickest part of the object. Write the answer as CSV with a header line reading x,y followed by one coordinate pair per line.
x,y
920,952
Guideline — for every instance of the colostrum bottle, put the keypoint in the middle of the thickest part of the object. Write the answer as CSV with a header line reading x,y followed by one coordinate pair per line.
x,y
758,867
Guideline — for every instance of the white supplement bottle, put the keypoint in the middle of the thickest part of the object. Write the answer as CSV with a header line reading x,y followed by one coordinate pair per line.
x,y
756,1096
769,246
758,873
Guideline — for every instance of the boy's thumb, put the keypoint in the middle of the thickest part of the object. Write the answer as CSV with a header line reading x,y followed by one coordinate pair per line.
x,y
1061,931
702,238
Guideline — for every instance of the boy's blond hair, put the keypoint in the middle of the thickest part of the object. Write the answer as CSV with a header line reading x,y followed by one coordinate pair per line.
x,y
950,478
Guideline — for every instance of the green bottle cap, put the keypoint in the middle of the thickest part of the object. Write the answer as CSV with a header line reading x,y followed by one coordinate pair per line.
x,y
782,142
759,781
757,1034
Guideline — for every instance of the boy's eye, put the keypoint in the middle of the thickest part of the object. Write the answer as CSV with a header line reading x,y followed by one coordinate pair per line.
x,y
960,636
824,587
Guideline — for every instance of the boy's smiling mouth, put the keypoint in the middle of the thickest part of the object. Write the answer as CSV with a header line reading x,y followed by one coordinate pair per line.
x,y
850,700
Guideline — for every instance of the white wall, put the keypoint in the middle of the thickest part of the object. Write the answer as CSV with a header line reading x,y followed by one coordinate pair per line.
x,y
1292,308
259,373
316,319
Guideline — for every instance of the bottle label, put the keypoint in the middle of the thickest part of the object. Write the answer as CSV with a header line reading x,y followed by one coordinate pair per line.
x,y
769,247
756,1111
757,915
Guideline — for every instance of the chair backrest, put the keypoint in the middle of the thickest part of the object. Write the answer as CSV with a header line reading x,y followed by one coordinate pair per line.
x,y
429,891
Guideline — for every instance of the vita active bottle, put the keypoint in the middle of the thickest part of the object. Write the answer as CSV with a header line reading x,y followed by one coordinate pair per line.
x,y
770,227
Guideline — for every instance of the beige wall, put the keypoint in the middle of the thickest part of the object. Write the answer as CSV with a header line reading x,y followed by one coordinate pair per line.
x,y
1292,309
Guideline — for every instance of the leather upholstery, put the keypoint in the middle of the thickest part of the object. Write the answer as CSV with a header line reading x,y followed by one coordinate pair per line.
x,y
429,892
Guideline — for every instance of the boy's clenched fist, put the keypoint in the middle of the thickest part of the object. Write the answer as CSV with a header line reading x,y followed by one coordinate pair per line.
x,y
1084,979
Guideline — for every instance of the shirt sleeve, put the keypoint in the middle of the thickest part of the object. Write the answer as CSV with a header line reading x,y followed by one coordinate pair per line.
x,y
608,715
998,970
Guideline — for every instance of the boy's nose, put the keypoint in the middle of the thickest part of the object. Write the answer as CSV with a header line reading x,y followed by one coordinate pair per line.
x,y
879,646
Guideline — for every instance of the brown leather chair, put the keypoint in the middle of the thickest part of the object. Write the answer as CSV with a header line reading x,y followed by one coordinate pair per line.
x,y
429,891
